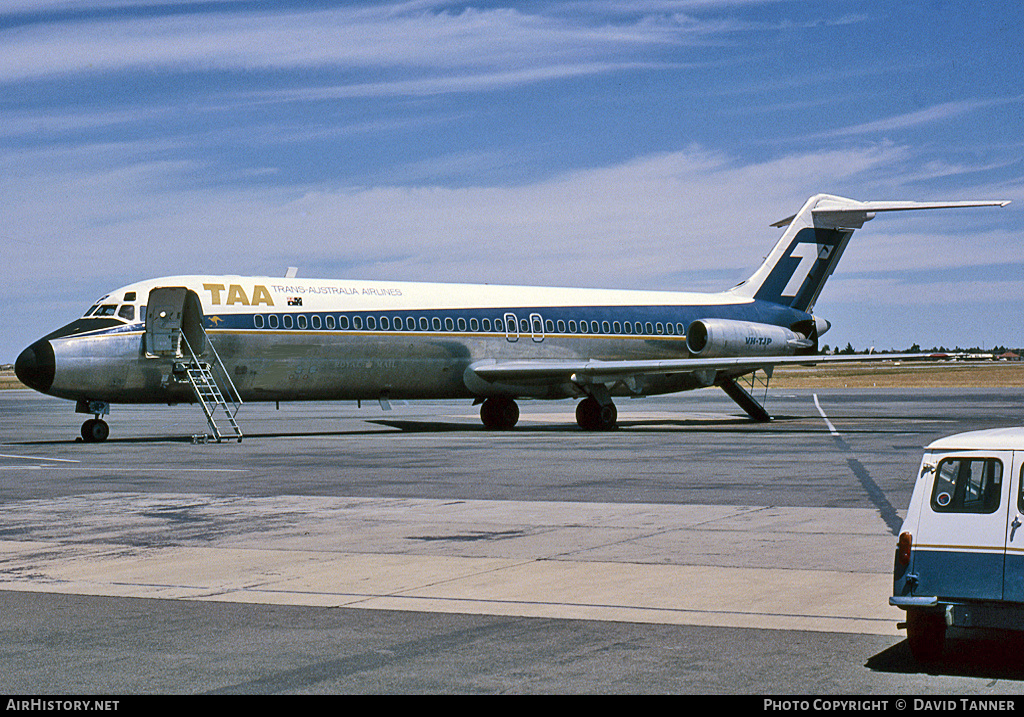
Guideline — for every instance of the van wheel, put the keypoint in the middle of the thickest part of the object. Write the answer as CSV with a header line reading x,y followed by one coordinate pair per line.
x,y
926,633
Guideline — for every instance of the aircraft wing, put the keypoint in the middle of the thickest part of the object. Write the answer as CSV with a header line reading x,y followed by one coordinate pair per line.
x,y
596,371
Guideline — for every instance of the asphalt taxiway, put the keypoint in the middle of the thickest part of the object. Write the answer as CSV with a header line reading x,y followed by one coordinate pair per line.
x,y
347,549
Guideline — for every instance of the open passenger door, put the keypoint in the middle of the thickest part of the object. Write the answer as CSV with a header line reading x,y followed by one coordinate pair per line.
x,y
173,312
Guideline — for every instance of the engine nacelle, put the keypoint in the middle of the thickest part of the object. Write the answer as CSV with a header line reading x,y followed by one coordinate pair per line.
x,y
713,338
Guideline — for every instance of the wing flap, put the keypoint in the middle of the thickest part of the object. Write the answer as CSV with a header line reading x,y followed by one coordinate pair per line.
x,y
591,370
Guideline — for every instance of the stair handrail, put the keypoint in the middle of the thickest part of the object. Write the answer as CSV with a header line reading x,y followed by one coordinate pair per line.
x,y
232,395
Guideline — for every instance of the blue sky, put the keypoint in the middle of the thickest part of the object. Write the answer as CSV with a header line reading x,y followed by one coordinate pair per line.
x,y
619,144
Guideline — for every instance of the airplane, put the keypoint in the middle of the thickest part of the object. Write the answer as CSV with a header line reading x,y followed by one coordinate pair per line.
x,y
221,340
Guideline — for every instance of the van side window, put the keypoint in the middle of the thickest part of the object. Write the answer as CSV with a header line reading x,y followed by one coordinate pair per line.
x,y
967,485
1020,496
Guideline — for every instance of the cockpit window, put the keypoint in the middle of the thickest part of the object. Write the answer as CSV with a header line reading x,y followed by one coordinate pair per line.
x,y
126,312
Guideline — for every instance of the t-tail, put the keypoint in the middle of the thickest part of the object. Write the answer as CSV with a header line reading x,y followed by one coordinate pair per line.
x,y
795,271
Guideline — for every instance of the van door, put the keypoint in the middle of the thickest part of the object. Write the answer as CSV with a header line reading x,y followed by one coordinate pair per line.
x,y
1013,579
960,544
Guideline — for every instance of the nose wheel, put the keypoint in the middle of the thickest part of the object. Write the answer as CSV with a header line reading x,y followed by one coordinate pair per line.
x,y
95,430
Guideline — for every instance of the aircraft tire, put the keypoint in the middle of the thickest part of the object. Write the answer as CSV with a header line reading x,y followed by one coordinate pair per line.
x,y
592,416
926,634
499,413
95,430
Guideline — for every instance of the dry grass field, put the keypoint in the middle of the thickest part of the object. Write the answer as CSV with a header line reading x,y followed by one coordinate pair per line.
x,y
911,374
8,379
924,374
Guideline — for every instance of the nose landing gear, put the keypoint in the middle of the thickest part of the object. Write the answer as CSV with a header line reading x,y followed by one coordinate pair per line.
x,y
95,430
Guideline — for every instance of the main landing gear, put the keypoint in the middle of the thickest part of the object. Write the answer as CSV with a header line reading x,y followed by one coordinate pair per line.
x,y
502,413
592,415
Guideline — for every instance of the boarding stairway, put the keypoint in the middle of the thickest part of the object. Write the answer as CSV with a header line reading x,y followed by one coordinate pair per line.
x,y
217,404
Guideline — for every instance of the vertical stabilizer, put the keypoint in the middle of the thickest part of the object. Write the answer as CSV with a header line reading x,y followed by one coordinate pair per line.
x,y
795,271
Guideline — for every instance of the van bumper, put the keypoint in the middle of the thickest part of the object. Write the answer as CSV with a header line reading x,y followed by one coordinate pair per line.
x,y
905,601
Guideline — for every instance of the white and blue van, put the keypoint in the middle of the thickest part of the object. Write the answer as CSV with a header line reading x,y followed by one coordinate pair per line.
x,y
960,554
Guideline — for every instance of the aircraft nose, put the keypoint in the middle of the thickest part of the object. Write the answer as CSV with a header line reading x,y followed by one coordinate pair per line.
x,y
35,366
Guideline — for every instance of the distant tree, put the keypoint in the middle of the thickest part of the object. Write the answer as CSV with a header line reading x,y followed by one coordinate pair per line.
x,y
849,349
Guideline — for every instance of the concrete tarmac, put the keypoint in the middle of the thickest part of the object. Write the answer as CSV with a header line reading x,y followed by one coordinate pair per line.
x,y
346,549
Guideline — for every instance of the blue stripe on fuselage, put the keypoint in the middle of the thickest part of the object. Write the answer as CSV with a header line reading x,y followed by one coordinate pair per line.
x,y
606,317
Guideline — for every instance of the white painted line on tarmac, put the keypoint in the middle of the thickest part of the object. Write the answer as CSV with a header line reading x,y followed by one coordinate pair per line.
x,y
38,458
831,428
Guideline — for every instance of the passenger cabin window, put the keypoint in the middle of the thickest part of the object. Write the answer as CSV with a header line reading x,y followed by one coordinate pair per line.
x,y
967,485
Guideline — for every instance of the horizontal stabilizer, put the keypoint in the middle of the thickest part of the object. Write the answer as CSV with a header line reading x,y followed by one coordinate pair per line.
x,y
852,210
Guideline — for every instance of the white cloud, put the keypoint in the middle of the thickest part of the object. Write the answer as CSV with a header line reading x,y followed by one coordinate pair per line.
x,y
636,224
936,113
503,41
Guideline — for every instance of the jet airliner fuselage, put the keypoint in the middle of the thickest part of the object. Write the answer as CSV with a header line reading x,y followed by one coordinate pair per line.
x,y
187,338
